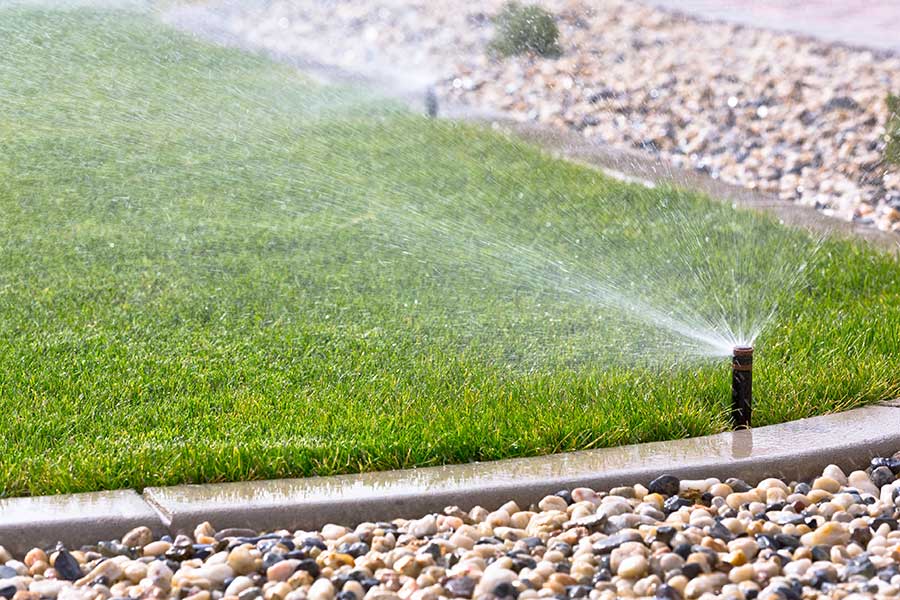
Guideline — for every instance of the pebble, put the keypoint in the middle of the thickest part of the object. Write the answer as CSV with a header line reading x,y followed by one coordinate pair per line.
x,y
492,578
322,589
110,570
134,571
861,481
47,588
241,560
157,548
666,485
282,570
827,484
238,585
333,532
35,556
138,537
882,476
234,532
705,584
836,473
633,567
250,593
66,566
427,525
829,534
553,503
460,587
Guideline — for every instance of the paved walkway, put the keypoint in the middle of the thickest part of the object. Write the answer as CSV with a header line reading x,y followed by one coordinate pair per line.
x,y
872,23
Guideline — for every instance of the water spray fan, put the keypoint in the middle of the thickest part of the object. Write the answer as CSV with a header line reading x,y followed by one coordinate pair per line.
x,y
741,386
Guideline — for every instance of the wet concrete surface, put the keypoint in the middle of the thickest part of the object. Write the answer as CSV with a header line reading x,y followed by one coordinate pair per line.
x,y
796,450
858,23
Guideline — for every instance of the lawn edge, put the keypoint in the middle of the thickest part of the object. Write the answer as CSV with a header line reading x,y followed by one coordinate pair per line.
x,y
794,450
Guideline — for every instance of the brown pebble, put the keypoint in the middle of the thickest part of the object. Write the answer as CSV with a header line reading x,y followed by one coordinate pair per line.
x,y
138,537
204,530
35,555
282,570
39,568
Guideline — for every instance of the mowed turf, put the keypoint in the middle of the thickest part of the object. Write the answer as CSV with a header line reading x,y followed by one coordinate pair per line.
x,y
213,269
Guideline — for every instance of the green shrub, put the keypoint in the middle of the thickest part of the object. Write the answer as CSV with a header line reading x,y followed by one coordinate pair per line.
x,y
892,151
522,29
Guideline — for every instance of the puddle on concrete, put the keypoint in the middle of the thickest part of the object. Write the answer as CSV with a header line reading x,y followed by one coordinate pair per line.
x,y
99,505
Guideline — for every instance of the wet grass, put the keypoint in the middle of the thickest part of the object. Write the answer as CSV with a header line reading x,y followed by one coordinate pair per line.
x,y
212,269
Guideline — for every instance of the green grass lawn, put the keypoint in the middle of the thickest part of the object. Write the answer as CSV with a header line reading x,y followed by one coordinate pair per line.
x,y
213,269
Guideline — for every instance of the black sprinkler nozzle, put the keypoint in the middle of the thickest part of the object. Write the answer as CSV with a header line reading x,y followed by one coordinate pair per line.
x,y
741,387
431,102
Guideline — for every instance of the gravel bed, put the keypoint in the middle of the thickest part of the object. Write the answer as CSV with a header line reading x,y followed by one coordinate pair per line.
x,y
771,111
836,536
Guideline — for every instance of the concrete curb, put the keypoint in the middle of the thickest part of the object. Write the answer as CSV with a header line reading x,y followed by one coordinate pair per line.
x,y
796,450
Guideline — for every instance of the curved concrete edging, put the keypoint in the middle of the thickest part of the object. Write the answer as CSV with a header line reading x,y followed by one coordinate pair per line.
x,y
796,450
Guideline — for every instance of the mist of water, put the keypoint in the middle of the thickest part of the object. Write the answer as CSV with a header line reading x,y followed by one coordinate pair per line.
x,y
671,277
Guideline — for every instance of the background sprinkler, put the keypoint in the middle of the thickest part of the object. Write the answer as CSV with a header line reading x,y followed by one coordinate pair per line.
x,y
431,102
741,386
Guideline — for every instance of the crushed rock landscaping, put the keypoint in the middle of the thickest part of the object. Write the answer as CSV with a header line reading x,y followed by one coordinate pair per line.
x,y
836,536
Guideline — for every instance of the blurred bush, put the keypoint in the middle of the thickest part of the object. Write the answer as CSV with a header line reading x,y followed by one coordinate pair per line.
x,y
525,29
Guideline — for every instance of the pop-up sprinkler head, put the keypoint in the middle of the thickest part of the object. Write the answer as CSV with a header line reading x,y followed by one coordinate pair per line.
x,y
741,386
431,102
